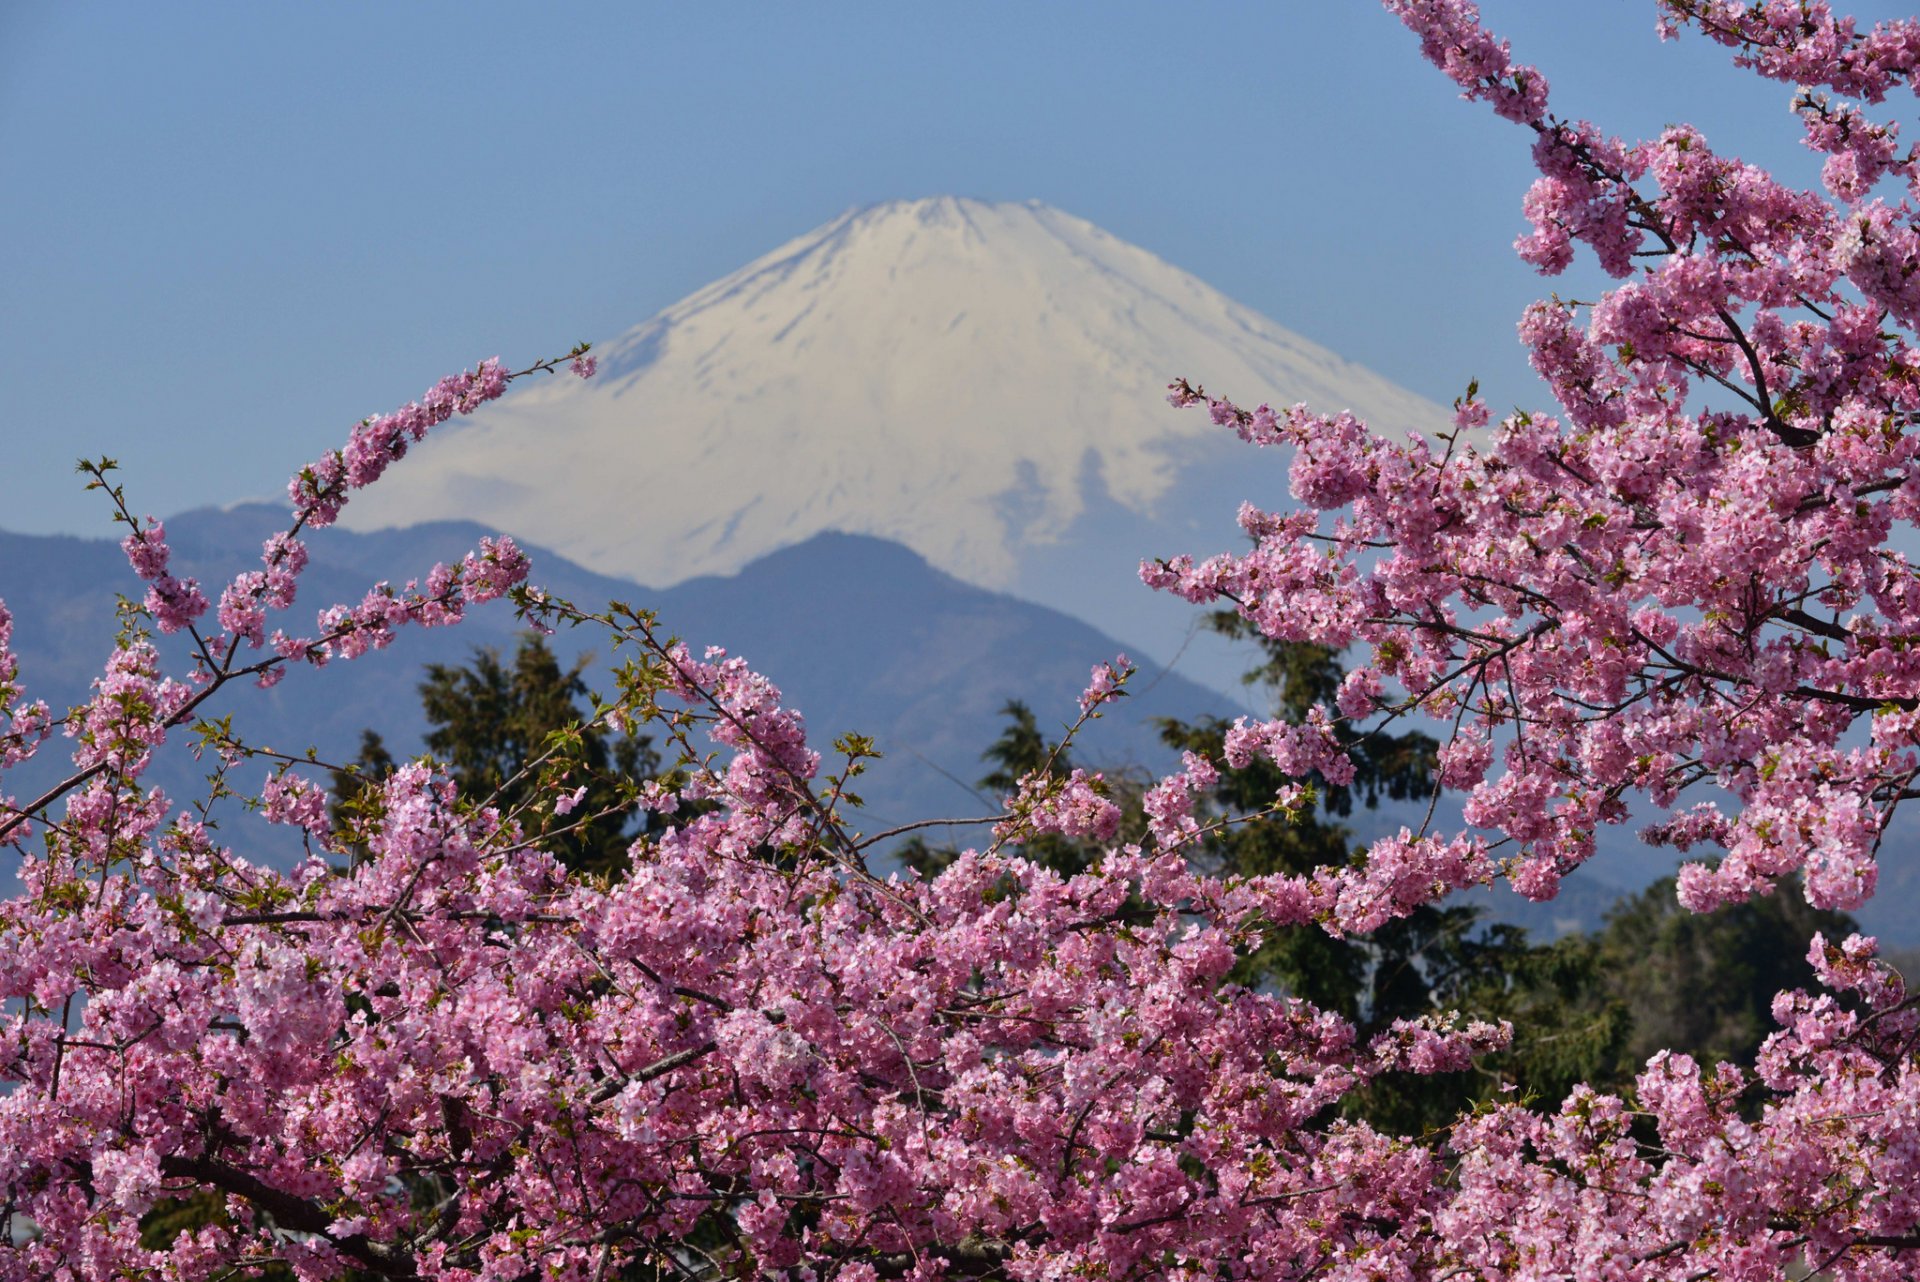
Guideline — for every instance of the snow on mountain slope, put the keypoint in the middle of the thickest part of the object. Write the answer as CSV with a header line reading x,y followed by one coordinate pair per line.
x,y
963,377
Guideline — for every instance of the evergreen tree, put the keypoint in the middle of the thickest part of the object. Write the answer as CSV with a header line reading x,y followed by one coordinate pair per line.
x,y
509,733
1704,983
1571,1026
1438,957
1021,750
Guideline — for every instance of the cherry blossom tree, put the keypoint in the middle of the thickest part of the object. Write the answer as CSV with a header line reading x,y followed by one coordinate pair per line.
x,y
450,1058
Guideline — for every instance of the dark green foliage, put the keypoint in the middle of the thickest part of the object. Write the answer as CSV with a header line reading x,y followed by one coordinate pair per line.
x,y
1704,983
1583,1009
1436,958
169,1218
1371,981
1594,1008
1023,749
512,734
1568,1027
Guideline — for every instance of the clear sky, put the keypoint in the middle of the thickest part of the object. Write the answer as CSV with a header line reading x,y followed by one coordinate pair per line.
x,y
232,229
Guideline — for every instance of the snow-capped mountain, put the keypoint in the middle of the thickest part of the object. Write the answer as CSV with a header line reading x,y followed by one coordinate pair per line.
x,y
984,383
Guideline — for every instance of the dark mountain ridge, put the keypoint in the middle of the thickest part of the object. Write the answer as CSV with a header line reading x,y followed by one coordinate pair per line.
x,y
861,635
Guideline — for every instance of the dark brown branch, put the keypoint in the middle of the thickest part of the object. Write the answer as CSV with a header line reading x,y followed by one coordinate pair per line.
x,y
1801,619
659,1068
864,842
288,1211
970,1257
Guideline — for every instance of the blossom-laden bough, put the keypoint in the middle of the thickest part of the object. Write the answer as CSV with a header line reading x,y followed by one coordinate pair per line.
x,y
445,1057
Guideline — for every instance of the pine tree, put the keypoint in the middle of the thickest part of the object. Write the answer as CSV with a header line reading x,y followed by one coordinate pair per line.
x,y
492,721
1438,957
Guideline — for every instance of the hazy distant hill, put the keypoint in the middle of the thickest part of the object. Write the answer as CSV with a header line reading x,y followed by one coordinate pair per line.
x,y
861,635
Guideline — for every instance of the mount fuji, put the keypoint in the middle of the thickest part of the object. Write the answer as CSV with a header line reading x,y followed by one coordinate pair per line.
x,y
982,382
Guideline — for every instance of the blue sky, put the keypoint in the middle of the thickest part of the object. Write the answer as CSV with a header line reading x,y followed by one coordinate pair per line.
x,y
234,229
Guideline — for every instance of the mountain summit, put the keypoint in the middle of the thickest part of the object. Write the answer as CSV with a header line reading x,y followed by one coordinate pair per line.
x,y
970,379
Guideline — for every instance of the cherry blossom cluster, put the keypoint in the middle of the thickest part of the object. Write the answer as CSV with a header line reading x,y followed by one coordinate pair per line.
x,y
453,1061
173,603
1072,807
1822,1180
347,632
24,723
322,488
1804,43
1684,583
134,707
1106,683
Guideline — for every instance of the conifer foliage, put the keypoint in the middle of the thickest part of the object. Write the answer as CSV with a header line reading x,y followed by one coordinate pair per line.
x,y
504,732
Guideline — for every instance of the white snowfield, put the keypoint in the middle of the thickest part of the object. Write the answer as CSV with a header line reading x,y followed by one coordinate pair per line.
x,y
959,376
